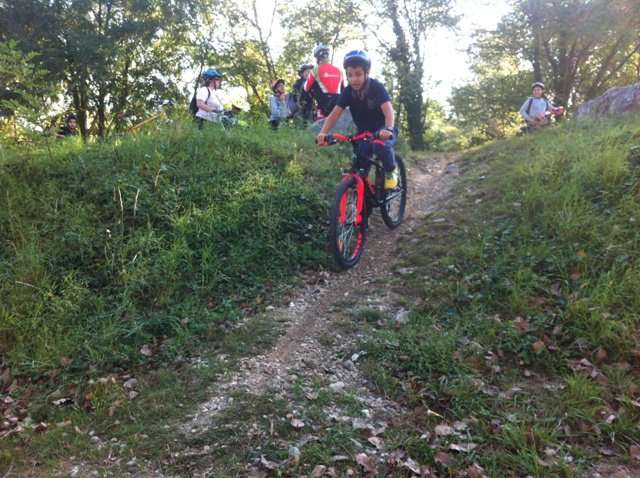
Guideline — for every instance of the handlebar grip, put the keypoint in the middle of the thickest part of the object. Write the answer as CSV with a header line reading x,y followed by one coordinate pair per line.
x,y
376,135
329,140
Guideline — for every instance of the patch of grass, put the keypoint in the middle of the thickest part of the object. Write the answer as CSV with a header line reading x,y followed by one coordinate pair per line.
x,y
162,244
367,315
530,273
152,238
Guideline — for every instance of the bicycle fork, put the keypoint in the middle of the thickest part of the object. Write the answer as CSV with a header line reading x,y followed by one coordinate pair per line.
x,y
360,214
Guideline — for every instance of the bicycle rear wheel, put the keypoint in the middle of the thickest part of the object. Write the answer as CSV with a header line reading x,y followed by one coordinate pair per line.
x,y
394,204
346,237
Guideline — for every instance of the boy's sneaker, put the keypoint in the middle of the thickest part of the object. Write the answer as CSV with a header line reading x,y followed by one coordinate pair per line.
x,y
391,179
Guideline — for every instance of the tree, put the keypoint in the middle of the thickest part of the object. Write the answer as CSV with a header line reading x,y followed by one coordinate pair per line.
x,y
20,108
443,134
252,54
579,48
487,106
243,46
319,22
108,55
412,21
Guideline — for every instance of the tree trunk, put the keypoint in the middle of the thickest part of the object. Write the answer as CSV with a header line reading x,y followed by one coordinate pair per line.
x,y
410,82
536,22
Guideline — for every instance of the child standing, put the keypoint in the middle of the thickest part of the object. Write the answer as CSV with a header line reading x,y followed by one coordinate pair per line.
x,y
279,108
534,109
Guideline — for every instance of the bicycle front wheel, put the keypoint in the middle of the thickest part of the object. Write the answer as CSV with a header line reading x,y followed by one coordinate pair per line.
x,y
395,202
346,235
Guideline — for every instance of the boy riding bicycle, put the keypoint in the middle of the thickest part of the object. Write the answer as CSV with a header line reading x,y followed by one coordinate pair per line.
x,y
371,110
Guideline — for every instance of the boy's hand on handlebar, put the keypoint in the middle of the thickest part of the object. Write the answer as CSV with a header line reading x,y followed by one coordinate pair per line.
x,y
385,134
320,139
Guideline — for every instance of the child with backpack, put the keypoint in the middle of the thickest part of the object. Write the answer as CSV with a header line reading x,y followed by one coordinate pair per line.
x,y
206,99
371,109
324,83
536,110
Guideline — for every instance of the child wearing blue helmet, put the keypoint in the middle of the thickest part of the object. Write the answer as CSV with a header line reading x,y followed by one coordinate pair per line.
x,y
371,110
209,106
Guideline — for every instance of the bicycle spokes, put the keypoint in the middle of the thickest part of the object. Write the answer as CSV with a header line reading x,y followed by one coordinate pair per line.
x,y
357,202
395,201
349,220
347,224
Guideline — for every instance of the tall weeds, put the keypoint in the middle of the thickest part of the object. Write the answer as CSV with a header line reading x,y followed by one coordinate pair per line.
x,y
157,240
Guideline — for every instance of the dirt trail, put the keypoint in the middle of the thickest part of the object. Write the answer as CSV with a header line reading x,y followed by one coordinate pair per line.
x,y
302,353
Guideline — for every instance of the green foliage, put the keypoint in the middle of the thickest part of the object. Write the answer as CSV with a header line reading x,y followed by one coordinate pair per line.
x,y
487,108
247,52
104,56
579,49
320,22
155,239
441,133
24,103
411,23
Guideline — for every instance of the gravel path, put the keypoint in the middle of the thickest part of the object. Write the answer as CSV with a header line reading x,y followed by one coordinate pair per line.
x,y
302,354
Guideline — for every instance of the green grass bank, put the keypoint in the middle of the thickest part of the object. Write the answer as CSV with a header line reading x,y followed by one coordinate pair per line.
x,y
528,332
521,352
151,243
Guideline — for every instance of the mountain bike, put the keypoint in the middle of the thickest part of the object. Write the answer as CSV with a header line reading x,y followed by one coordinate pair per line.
x,y
356,197
161,115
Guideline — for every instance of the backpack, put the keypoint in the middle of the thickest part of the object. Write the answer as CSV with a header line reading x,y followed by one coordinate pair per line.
x,y
193,106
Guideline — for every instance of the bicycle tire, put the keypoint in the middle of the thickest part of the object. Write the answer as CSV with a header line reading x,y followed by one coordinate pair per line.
x,y
346,237
393,207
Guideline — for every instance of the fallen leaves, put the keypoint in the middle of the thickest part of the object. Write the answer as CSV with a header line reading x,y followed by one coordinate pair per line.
x,y
296,423
63,401
538,346
466,448
606,450
444,430
268,464
131,383
600,355
442,458
365,462
521,324
318,471
376,442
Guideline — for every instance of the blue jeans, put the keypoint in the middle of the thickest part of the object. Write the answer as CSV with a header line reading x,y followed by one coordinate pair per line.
x,y
384,153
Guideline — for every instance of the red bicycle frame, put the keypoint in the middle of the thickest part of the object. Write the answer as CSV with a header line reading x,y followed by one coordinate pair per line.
x,y
362,181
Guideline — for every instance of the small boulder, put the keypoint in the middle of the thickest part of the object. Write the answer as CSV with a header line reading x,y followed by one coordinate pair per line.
x,y
618,101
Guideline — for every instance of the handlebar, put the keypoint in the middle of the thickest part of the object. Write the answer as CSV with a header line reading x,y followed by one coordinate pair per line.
x,y
559,111
331,139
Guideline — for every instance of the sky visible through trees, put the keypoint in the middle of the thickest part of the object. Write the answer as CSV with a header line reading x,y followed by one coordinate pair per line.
x,y
446,63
